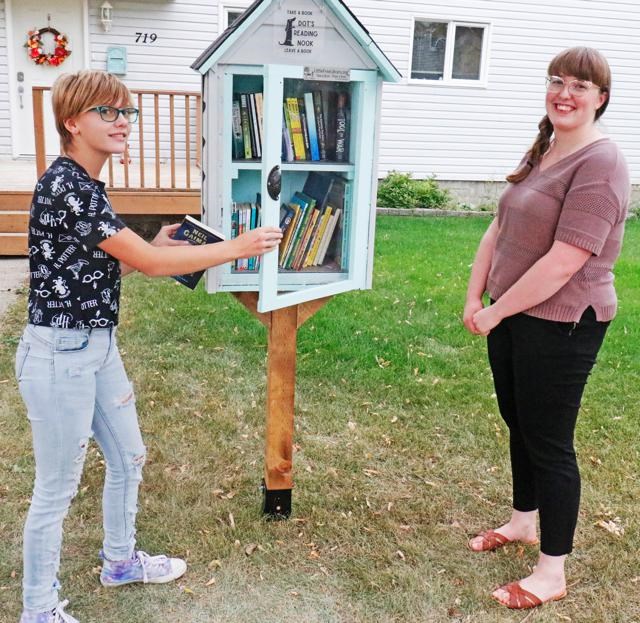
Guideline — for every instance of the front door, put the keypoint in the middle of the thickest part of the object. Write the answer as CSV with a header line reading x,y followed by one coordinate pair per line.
x,y
66,16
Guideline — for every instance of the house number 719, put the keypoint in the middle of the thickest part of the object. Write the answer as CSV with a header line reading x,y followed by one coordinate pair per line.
x,y
146,37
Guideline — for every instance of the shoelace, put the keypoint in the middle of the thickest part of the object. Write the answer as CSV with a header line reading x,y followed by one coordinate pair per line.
x,y
60,615
148,562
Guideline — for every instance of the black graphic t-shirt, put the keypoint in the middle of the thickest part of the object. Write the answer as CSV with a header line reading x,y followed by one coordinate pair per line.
x,y
73,284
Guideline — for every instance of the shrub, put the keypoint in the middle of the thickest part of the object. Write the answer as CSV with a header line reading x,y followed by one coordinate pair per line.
x,y
399,190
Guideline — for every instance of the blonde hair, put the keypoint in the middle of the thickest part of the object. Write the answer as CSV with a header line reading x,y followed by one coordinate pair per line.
x,y
584,64
73,94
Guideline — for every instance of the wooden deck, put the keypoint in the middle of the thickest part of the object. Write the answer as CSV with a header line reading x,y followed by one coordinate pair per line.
x,y
18,178
159,178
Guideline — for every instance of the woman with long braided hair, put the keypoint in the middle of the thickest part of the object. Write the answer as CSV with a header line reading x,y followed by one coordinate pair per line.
x,y
546,263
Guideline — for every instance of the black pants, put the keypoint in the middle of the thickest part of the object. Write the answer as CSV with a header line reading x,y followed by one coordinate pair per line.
x,y
540,368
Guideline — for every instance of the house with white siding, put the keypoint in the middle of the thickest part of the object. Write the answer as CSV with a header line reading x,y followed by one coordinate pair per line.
x,y
467,107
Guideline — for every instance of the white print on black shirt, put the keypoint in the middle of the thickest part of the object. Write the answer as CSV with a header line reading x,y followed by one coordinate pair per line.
x,y
60,287
93,278
61,320
74,202
83,228
50,218
77,267
71,277
47,249
107,229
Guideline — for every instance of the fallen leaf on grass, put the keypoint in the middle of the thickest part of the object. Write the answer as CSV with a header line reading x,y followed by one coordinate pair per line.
x,y
211,582
613,526
232,521
382,363
249,549
187,590
215,564
400,555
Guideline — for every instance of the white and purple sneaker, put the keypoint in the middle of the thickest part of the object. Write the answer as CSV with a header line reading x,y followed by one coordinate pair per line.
x,y
57,615
141,568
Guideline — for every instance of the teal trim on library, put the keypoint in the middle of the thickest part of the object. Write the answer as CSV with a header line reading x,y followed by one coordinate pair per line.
x,y
236,31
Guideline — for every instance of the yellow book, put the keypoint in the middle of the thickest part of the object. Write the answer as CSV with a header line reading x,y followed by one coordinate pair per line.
x,y
311,256
296,128
304,242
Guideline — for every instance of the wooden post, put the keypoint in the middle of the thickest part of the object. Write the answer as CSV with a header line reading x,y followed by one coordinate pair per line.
x,y
38,129
281,383
282,326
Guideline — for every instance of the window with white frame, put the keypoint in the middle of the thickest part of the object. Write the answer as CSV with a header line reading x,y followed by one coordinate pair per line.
x,y
448,51
231,15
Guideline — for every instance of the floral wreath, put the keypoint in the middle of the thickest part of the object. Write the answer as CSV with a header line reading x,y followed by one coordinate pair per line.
x,y
36,51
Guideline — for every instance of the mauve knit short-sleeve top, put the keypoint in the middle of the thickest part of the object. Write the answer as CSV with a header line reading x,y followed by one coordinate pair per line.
x,y
581,200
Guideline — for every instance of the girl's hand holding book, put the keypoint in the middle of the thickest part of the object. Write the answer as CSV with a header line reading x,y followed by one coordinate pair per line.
x,y
164,237
257,241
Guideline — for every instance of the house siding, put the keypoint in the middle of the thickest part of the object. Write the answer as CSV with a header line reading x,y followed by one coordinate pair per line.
x,y
183,29
452,132
5,124
476,133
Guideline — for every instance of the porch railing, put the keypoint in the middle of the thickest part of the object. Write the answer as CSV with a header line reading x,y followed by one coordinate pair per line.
x,y
164,151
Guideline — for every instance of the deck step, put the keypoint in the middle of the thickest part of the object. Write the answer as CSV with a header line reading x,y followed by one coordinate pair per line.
x,y
12,200
14,222
14,244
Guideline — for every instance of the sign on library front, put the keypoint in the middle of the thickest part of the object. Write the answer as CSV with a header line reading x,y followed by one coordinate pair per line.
x,y
299,29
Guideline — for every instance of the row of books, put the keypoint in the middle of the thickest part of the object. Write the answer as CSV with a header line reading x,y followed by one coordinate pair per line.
x,y
247,125
244,217
315,127
313,224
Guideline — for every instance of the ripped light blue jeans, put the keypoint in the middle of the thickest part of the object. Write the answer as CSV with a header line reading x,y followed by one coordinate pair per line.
x,y
74,386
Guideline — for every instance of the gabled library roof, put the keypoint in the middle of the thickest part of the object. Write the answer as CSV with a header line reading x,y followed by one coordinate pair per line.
x,y
213,53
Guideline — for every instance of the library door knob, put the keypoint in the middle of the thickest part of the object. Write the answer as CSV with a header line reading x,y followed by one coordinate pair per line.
x,y
273,183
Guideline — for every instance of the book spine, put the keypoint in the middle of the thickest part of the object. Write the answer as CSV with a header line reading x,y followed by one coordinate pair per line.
x,y
305,127
238,144
304,241
311,125
252,124
286,240
259,115
331,228
246,127
311,259
304,259
286,135
319,115
346,227
255,126
234,228
296,128
341,128
252,225
295,239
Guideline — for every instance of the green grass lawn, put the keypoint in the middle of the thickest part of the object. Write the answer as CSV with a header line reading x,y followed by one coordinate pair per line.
x,y
400,456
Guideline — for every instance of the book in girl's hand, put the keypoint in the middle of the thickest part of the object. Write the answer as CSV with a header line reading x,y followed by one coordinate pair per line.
x,y
195,232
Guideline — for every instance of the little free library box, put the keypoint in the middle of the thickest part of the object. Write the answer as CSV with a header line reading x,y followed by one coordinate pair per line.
x,y
291,96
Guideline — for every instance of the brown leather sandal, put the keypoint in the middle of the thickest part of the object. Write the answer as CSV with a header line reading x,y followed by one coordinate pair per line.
x,y
493,540
521,599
